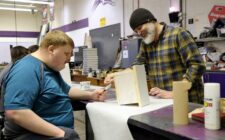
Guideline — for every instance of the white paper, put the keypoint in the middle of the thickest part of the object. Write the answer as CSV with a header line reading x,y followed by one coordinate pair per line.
x,y
108,119
125,54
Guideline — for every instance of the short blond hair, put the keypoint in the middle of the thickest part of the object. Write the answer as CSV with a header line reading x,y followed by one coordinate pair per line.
x,y
56,38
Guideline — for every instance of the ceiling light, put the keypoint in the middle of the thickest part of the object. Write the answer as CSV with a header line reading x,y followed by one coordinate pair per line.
x,y
30,1
172,9
19,9
19,5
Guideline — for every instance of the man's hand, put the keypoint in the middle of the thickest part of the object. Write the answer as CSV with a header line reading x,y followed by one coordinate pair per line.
x,y
161,93
98,95
108,79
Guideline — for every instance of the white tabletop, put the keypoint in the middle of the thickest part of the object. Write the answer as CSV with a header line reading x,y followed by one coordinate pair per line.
x,y
109,120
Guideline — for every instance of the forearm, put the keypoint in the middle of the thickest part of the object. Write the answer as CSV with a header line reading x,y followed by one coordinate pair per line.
x,y
195,70
29,120
77,94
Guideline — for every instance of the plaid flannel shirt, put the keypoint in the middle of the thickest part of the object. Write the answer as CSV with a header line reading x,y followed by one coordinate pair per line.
x,y
173,57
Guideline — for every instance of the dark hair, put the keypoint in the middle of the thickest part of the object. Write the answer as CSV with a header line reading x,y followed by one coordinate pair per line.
x,y
33,48
18,52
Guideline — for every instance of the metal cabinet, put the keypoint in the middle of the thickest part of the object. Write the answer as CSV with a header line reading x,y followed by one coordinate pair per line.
x,y
130,49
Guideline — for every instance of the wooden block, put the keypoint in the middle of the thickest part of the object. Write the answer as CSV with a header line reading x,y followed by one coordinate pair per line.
x,y
180,102
131,86
222,101
222,105
141,85
222,109
149,85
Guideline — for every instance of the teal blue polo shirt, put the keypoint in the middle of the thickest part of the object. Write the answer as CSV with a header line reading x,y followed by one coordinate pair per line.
x,y
47,96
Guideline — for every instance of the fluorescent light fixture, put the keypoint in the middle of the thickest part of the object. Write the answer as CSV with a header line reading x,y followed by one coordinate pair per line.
x,y
30,1
18,9
19,5
172,9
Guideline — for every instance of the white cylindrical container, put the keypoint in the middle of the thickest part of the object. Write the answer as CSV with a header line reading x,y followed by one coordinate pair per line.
x,y
211,105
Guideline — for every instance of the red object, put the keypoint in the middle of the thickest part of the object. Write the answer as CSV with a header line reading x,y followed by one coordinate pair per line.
x,y
218,11
200,117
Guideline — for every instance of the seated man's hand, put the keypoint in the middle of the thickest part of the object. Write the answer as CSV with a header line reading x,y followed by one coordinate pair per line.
x,y
108,79
98,95
161,93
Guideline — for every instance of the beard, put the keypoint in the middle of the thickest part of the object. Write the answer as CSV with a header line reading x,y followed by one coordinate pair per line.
x,y
149,39
150,34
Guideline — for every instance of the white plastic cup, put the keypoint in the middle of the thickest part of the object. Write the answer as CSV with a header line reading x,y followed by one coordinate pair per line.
x,y
211,105
85,85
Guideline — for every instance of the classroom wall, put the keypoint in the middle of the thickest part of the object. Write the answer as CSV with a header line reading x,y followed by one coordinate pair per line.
x,y
24,25
92,10
114,11
199,10
69,12
23,21
159,8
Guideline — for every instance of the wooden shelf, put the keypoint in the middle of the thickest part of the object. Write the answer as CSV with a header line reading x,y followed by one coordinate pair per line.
x,y
94,81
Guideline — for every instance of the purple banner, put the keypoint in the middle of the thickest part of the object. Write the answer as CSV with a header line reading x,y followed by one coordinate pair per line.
x,y
74,26
66,28
19,34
